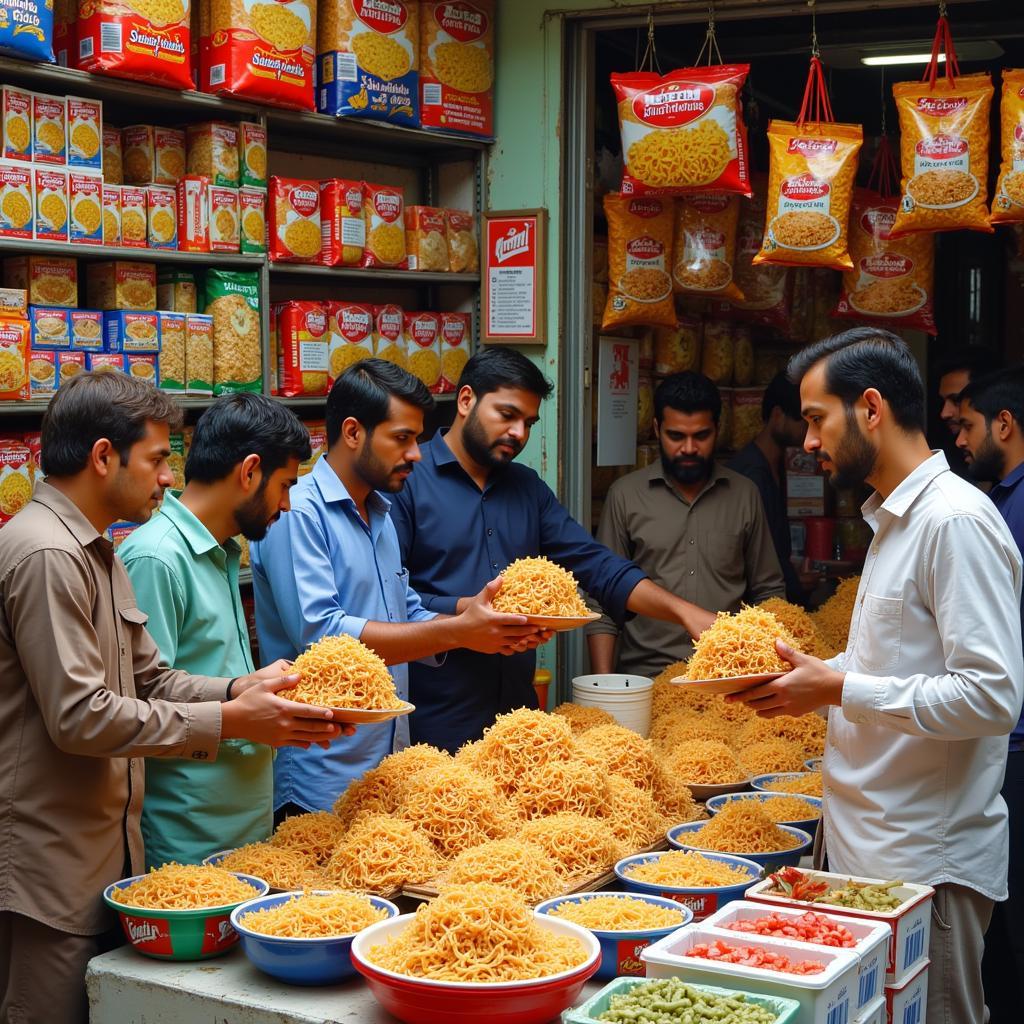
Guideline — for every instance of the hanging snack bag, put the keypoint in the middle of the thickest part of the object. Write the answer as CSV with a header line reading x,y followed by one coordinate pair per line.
x,y
423,337
684,131
426,243
368,60
705,244
342,226
389,334
17,124
351,336
113,169
26,30
383,210
1008,202
143,40
233,300
303,338
262,50
295,235
463,251
457,66
639,252
456,340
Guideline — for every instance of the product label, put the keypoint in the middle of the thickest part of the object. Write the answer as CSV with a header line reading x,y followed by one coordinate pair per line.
x,y
149,935
385,16
674,104
627,957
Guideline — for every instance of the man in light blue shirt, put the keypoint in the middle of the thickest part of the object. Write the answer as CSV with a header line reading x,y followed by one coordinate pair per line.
x,y
332,565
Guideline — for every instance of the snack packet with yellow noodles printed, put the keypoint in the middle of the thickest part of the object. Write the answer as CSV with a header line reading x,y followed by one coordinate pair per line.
x,y
684,131
704,253
1008,201
384,216
17,466
294,216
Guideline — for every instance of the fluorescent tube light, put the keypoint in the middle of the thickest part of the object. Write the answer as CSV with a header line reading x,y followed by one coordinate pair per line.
x,y
900,58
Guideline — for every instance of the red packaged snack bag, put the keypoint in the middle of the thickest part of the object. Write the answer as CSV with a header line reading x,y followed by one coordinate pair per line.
x,y
351,328
144,40
389,334
341,222
684,131
383,211
303,338
14,354
294,220
194,213
423,339
456,339
16,475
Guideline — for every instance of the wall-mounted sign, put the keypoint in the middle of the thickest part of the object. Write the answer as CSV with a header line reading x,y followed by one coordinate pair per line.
x,y
617,389
514,271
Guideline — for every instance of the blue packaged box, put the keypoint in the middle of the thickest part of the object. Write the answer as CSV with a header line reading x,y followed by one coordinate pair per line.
x,y
51,327
130,330
26,29
95,361
87,329
143,367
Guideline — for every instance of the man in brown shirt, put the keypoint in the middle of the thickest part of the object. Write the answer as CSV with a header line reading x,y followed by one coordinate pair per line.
x,y
85,697
696,528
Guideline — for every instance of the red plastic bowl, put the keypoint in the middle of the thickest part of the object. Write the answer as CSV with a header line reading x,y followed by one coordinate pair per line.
x,y
423,1001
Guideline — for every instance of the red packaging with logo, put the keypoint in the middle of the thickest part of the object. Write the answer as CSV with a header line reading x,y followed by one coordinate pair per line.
x,y
684,131
295,235
14,353
341,222
194,213
423,343
383,214
351,340
17,473
456,338
302,331
146,46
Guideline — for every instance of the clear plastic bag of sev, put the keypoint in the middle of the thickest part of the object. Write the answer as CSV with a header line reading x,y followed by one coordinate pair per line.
x,y
1008,201
812,168
892,280
704,252
944,140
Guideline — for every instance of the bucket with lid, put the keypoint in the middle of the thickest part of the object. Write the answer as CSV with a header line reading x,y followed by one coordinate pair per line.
x,y
626,698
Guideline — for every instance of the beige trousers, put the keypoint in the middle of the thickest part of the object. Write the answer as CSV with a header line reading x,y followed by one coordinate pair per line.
x,y
960,918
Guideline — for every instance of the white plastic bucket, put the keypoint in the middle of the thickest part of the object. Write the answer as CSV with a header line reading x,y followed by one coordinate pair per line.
x,y
626,698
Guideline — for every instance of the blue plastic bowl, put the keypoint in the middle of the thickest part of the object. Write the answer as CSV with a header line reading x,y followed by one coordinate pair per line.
x,y
808,825
677,837
766,782
702,900
299,961
620,951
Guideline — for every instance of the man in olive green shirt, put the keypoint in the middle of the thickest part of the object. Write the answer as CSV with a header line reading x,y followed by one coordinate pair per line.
x,y
183,565
696,528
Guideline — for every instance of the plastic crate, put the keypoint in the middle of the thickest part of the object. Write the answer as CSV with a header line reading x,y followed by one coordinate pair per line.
x,y
872,943
825,998
907,1002
910,923
786,1009
876,1013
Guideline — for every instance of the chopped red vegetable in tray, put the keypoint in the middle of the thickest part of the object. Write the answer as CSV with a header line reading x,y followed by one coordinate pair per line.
x,y
751,956
809,927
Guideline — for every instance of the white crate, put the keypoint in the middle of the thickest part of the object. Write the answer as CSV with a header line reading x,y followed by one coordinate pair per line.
x,y
876,1013
907,1003
872,942
825,998
910,922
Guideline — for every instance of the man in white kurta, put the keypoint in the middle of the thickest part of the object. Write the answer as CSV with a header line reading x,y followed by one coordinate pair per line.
x,y
932,679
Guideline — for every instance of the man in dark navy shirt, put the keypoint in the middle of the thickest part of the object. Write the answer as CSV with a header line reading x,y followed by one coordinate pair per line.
x,y
466,513
991,437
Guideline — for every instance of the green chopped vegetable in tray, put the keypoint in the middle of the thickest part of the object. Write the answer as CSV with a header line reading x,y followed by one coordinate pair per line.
x,y
672,1001
860,896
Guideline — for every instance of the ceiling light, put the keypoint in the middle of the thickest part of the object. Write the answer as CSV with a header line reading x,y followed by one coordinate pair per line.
x,y
900,58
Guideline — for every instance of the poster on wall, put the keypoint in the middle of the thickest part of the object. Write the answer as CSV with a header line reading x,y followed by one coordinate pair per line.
x,y
514,312
617,370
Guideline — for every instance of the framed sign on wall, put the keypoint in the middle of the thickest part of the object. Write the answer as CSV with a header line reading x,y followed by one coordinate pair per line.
x,y
514,271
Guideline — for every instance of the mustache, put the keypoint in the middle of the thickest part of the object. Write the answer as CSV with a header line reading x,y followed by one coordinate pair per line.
x,y
403,467
510,441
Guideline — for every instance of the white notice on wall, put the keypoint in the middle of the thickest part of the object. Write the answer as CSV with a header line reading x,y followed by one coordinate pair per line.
x,y
617,368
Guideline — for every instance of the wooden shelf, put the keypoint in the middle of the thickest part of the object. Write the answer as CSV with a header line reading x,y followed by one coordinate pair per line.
x,y
12,246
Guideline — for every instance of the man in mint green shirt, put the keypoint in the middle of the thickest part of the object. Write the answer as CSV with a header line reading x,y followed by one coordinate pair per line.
x,y
183,566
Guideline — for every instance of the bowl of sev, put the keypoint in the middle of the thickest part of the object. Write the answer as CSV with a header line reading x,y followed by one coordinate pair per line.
x,y
305,938
543,592
181,911
790,783
623,922
802,812
701,881
474,953
813,764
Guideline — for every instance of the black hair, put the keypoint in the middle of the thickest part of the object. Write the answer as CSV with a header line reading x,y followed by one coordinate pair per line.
x,y
237,426
781,392
867,357
974,361
687,392
91,406
994,392
364,392
503,367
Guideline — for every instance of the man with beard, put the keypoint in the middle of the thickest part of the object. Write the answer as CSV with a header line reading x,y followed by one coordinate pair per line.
x,y
332,565
763,462
991,418
468,512
955,371
183,565
696,528
932,680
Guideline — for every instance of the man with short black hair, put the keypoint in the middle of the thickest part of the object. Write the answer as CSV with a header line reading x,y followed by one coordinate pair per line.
x,y
86,696
468,512
332,565
932,680
763,462
184,564
955,371
696,528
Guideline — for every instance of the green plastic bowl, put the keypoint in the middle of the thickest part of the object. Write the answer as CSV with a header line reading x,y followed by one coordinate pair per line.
x,y
180,934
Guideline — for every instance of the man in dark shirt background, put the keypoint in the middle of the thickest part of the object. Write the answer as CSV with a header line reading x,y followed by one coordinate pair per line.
x,y
763,462
954,371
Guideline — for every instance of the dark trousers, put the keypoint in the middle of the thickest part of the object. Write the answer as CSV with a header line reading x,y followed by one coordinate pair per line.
x,y
1003,964
287,811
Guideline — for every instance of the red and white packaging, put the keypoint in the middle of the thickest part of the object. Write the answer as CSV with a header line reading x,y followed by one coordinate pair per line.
x,y
151,45
342,227
17,200
303,338
14,341
111,214
389,334
113,156
16,464
213,151
384,216
49,129
69,364
85,197
137,143
908,1001
51,188
85,133
351,336
423,347
168,155
295,235
194,213
252,217
134,217
162,217
456,339
17,124
223,218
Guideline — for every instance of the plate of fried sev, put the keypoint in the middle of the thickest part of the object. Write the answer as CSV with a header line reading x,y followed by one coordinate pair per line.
x,y
543,592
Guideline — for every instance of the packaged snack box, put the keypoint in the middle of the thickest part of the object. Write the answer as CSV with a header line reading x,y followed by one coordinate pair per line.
x,y
383,209
233,300
131,331
295,235
105,362
456,339
51,327
16,466
389,334
252,154
138,144
84,119
199,353
423,338
48,280
172,351
69,364
49,131
213,152
168,155
223,219
351,336
86,329
303,336
113,161
111,214
121,285
162,217
143,367
342,228
85,196
426,242
193,193
17,200
42,373
51,190
252,209
176,291
17,124
14,349
13,303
